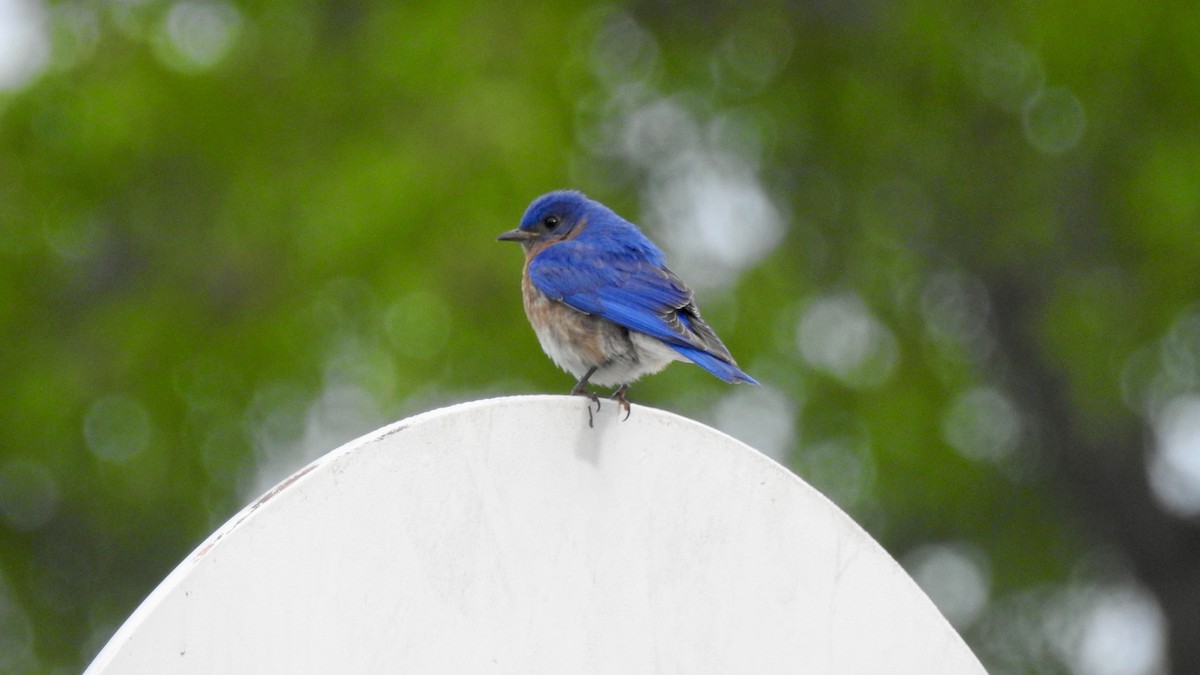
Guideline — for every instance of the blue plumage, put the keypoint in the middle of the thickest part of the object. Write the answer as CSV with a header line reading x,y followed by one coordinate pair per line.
x,y
603,302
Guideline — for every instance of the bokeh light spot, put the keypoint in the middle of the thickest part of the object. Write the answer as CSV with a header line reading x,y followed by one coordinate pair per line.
x,y
1122,633
196,36
1163,370
1111,629
982,424
762,417
839,335
24,42
1141,378
843,469
1174,466
955,308
753,52
1053,120
1082,628
660,129
117,428
1005,71
623,49
956,576
274,420
715,217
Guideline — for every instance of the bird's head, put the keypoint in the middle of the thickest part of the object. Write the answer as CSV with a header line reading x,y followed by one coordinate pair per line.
x,y
550,218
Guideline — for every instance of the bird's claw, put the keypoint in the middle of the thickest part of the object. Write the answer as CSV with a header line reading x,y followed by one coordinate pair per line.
x,y
619,396
580,391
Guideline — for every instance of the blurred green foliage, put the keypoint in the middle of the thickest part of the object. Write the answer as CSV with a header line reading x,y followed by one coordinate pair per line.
x,y
961,255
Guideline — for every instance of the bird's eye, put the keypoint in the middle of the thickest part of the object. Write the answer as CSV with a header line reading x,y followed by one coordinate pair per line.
x,y
551,222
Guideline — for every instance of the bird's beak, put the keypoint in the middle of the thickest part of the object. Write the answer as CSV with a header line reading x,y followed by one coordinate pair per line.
x,y
516,235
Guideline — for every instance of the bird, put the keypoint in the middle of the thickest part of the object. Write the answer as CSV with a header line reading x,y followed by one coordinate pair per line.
x,y
602,301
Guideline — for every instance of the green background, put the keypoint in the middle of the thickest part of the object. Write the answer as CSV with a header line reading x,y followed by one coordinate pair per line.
x,y
959,246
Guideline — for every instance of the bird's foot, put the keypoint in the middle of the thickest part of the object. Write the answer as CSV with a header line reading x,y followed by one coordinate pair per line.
x,y
619,396
582,390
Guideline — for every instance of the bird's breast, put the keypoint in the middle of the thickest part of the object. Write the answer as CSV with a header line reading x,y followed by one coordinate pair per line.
x,y
572,339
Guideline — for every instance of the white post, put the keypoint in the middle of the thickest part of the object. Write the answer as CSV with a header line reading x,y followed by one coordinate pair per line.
x,y
507,536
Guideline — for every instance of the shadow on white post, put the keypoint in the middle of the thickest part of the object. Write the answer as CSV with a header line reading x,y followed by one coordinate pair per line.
x,y
506,536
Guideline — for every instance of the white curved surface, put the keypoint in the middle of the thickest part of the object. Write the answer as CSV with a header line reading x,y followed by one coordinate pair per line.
x,y
505,536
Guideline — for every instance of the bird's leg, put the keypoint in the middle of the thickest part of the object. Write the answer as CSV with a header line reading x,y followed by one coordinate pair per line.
x,y
580,389
619,395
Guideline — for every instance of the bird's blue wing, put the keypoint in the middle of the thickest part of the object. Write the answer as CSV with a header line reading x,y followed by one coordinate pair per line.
x,y
624,280
618,284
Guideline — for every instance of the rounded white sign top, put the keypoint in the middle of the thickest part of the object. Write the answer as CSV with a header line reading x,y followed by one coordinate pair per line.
x,y
508,536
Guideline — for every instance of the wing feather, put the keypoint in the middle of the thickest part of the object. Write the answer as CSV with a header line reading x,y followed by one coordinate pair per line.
x,y
627,287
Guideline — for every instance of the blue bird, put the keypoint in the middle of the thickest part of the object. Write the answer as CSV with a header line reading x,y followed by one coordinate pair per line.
x,y
602,301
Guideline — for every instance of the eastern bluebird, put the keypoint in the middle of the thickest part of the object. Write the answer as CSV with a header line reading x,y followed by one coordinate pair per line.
x,y
602,301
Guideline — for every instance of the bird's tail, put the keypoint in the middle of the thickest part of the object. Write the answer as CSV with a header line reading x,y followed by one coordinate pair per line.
x,y
723,369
